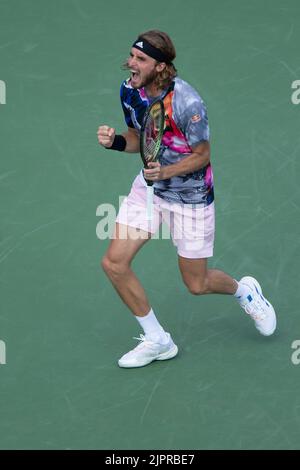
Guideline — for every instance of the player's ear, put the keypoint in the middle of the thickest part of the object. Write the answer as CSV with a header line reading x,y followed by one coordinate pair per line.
x,y
160,66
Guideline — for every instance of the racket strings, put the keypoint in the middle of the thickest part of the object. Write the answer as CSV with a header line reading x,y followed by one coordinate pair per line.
x,y
152,135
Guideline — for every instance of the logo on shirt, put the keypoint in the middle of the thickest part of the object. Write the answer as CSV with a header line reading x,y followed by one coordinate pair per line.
x,y
196,118
140,44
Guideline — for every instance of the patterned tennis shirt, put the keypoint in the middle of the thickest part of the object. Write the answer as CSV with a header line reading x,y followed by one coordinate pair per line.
x,y
186,125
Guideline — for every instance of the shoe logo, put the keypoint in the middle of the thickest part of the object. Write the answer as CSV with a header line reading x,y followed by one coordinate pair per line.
x,y
140,44
263,299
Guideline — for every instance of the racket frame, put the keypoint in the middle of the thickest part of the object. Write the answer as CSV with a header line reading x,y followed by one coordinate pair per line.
x,y
150,190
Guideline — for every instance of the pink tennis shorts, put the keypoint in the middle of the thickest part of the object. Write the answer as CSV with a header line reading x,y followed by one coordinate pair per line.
x,y
191,226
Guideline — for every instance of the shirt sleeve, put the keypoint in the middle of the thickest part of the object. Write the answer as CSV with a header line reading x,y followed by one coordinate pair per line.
x,y
195,123
127,115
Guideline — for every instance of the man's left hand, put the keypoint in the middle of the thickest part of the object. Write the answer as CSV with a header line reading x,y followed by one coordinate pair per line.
x,y
154,172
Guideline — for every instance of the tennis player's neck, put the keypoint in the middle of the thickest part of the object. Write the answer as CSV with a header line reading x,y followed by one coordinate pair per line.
x,y
153,92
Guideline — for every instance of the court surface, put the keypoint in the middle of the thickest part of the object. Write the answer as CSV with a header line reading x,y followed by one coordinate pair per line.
x,y
62,325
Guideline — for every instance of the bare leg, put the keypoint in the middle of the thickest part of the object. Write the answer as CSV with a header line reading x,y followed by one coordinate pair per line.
x,y
116,264
200,280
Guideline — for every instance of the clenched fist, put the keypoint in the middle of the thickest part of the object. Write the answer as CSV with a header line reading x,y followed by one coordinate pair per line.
x,y
106,136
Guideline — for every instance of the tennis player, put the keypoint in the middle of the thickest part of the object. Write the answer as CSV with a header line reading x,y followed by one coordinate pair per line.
x,y
183,198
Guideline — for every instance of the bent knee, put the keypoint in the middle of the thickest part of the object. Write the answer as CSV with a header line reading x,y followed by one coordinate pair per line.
x,y
113,268
105,263
196,288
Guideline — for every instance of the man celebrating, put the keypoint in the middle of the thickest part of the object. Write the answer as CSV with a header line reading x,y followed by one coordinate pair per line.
x,y
184,198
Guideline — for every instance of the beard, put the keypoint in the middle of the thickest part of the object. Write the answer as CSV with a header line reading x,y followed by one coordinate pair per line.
x,y
147,80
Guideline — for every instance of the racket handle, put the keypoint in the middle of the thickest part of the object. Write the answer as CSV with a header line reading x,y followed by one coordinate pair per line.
x,y
149,202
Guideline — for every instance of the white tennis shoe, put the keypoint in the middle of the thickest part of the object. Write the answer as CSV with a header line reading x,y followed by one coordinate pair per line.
x,y
148,351
259,309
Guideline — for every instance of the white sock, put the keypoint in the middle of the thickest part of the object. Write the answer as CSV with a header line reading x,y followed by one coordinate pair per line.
x,y
242,291
152,328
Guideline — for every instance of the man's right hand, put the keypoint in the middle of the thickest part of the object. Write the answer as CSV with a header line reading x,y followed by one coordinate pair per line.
x,y
106,136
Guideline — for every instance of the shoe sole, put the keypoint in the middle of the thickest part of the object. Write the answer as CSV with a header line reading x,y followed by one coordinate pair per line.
x,y
162,357
252,280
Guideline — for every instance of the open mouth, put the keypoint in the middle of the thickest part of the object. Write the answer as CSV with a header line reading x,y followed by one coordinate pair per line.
x,y
134,75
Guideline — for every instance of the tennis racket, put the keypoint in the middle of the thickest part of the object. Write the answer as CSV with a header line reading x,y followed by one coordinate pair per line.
x,y
152,130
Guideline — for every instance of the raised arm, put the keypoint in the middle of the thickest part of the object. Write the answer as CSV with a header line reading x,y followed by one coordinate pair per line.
x,y
107,137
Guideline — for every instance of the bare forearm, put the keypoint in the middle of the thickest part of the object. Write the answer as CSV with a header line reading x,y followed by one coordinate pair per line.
x,y
187,165
132,142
